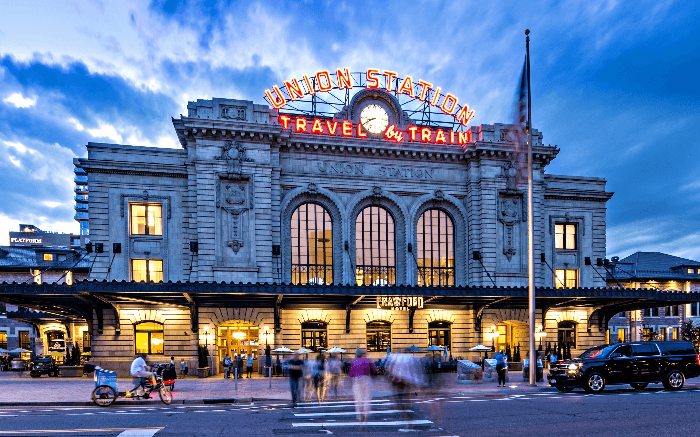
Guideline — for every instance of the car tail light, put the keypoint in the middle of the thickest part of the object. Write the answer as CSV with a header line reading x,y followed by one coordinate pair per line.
x,y
697,359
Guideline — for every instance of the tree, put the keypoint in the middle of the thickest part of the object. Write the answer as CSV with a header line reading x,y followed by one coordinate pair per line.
x,y
690,333
202,353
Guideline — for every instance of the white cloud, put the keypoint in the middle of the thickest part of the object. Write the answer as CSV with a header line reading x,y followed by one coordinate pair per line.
x,y
106,131
20,101
14,160
21,148
76,123
51,203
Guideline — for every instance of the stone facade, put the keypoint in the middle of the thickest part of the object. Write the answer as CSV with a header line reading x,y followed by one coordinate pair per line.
x,y
233,186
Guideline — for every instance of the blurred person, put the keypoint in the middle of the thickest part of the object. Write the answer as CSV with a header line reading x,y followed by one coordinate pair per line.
x,y
296,370
501,367
320,378
182,367
406,372
239,366
140,369
360,372
227,366
335,374
307,384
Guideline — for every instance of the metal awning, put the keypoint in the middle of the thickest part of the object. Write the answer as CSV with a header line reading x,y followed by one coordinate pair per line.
x,y
78,301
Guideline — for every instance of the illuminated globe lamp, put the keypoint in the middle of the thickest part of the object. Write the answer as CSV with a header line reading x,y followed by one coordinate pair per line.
x,y
539,333
494,334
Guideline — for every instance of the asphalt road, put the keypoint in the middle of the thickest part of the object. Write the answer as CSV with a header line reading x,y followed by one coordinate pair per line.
x,y
621,412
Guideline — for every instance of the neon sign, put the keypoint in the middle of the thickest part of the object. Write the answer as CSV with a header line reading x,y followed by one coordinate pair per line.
x,y
349,129
399,303
322,82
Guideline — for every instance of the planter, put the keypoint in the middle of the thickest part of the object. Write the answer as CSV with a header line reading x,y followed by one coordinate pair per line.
x,y
71,371
202,372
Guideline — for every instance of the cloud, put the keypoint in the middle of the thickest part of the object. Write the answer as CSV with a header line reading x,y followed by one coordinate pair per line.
x,y
105,131
20,101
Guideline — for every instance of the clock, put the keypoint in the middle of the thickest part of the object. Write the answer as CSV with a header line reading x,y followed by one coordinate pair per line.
x,y
374,119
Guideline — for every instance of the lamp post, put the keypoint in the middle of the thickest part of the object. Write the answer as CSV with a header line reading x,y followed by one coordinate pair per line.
x,y
267,334
540,333
494,335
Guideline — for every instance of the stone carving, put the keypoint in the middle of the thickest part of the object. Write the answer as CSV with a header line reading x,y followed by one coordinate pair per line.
x,y
235,245
312,188
234,153
377,191
509,171
233,112
234,194
236,241
439,194
508,214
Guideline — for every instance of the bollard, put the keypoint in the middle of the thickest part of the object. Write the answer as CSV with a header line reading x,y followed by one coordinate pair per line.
x,y
269,372
235,378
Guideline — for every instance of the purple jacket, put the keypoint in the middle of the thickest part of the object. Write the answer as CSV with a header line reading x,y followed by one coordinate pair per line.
x,y
361,367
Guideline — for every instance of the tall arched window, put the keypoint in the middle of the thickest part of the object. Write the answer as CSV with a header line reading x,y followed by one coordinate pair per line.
x,y
439,334
314,335
436,250
312,245
378,336
375,252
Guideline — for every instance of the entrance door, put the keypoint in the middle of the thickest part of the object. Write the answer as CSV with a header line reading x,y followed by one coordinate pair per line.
x,y
237,338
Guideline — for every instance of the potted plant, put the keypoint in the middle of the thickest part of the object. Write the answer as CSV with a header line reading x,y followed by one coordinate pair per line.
x,y
203,369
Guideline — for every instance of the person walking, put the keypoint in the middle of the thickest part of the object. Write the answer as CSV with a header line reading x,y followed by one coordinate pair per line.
x,y
227,366
360,372
296,371
182,367
501,367
249,366
320,378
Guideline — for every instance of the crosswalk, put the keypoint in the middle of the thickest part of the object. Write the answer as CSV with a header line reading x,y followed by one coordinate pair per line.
x,y
385,416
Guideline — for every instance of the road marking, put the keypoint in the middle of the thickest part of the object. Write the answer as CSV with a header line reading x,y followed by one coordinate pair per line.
x,y
351,413
138,433
143,431
392,423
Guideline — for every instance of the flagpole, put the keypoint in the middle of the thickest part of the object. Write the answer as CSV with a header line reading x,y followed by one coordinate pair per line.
x,y
530,225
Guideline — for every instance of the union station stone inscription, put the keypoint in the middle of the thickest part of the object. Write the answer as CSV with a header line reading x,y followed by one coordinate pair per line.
x,y
384,171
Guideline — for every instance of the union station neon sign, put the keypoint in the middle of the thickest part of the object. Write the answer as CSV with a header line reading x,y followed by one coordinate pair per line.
x,y
322,81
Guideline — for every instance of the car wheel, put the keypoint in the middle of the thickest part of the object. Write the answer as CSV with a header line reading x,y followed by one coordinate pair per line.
x,y
639,385
565,389
674,380
595,383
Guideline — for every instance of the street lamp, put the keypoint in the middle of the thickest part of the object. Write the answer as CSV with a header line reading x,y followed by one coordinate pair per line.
x,y
540,333
494,335
267,334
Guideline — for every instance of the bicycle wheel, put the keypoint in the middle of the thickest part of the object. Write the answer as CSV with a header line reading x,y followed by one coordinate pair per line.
x,y
104,396
165,395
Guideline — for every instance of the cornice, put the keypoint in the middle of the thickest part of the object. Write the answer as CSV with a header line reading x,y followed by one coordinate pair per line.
x,y
589,195
136,168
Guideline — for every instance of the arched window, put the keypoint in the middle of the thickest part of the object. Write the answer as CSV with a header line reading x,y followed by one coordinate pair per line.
x,y
314,335
439,334
378,336
149,338
312,245
566,333
436,251
375,252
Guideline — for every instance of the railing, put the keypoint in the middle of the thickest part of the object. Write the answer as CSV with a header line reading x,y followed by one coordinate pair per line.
x,y
81,189
81,215
80,197
81,178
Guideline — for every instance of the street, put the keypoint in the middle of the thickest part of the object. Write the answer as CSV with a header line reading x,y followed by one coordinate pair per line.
x,y
623,411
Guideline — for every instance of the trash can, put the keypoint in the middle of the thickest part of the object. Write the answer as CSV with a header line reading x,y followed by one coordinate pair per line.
x,y
526,370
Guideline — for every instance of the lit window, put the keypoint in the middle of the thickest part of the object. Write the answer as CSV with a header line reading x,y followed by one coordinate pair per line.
x,y
378,336
3,339
154,273
439,334
375,247
48,257
566,334
312,245
69,278
149,338
314,335
566,278
620,335
37,276
565,236
24,341
435,241
691,271
146,219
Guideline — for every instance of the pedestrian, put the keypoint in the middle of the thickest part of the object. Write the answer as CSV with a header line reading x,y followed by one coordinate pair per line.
x,y
172,362
501,367
360,372
239,366
296,366
227,366
182,367
320,378
249,366
334,370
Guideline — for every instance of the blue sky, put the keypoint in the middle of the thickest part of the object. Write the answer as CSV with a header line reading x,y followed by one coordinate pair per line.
x,y
615,86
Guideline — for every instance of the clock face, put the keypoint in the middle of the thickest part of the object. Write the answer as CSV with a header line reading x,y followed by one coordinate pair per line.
x,y
374,119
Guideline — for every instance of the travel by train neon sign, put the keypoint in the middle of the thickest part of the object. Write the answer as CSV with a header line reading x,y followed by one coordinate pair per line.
x,y
295,89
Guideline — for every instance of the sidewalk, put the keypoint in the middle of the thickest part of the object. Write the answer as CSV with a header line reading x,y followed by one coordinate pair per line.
x,y
22,390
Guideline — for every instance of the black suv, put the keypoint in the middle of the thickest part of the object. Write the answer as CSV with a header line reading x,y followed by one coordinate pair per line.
x,y
637,364
43,366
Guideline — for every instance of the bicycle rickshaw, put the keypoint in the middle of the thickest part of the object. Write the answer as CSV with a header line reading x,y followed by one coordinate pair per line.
x,y
106,392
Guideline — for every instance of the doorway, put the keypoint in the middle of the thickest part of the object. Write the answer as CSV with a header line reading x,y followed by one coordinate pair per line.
x,y
237,338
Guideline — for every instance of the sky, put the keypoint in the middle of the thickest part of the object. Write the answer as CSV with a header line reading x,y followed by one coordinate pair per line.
x,y
615,86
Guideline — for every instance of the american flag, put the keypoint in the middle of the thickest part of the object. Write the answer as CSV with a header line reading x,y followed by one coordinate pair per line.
x,y
517,134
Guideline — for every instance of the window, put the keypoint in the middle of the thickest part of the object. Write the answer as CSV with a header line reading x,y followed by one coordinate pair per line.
x,y
314,335
87,344
312,245
671,311
146,219
436,255
378,336
691,271
566,333
644,350
48,257
149,338
154,273
439,334
624,351
374,247
566,278
3,339
694,309
673,334
565,236
621,335
37,276
651,312
69,278
24,340
648,334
